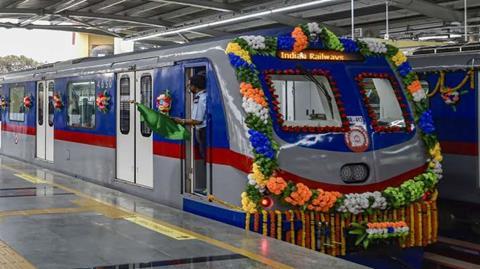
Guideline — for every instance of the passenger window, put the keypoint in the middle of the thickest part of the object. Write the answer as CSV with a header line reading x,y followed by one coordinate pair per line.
x,y
125,105
306,101
81,104
16,99
384,102
40,104
51,109
146,99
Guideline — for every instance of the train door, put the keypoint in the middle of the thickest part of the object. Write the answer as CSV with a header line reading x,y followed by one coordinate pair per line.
x,y
49,127
144,135
134,139
44,119
125,127
41,139
196,169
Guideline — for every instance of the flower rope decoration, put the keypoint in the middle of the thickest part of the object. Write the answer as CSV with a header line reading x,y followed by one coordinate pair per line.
x,y
275,104
103,101
372,231
263,179
373,117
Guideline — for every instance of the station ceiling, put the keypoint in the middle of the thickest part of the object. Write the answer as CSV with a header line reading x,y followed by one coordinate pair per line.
x,y
163,22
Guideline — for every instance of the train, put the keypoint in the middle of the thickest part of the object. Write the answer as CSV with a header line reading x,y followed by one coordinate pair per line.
x,y
450,75
307,135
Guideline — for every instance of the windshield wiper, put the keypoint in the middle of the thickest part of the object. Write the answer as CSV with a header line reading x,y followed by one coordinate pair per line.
x,y
319,86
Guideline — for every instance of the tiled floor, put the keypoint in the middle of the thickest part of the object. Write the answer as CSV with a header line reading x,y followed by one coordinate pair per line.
x,y
50,220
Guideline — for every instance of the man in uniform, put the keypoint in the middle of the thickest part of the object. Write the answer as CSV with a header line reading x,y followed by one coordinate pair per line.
x,y
199,121
199,109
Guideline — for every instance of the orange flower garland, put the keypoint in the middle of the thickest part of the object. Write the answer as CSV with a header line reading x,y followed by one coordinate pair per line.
x,y
276,185
300,196
255,94
301,40
324,201
415,86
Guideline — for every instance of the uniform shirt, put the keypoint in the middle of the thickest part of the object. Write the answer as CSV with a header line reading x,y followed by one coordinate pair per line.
x,y
200,108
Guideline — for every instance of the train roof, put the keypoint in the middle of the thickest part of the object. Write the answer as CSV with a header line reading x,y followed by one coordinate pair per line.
x,y
458,56
142,59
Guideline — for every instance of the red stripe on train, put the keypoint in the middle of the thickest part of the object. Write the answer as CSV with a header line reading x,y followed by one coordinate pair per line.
x,y
239,161
244,163
166,149
85,138
461,148
22,129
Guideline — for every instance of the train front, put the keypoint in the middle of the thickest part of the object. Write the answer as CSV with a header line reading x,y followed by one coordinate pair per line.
x,y
342,140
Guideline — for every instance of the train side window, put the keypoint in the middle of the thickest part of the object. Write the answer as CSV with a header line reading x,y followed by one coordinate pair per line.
x,y
306,101
146,99
40,101
125,105
16,110
81,104
51,109
384,102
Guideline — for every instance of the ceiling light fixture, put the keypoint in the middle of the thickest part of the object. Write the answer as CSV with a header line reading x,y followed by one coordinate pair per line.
x,y
230,20
74,4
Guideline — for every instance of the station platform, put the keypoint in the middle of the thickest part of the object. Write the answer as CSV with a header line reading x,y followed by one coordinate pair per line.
x,y
51,220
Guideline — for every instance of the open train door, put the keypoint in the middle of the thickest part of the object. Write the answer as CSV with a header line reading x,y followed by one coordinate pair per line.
x,y
44,120
197,171
134,158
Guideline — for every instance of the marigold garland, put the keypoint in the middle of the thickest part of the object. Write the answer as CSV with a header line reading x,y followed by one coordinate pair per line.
x,y
263,179
301,40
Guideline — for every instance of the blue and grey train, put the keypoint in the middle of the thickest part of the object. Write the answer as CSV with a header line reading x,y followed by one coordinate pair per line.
x,y
65,131
450,74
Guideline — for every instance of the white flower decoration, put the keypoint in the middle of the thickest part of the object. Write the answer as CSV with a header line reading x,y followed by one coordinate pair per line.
x,y
255,42
313,28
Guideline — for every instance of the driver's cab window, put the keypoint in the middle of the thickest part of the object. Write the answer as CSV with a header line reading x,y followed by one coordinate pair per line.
x,y
306,101
384,102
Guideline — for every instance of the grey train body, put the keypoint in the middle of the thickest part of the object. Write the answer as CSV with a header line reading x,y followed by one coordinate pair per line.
x,y
98,164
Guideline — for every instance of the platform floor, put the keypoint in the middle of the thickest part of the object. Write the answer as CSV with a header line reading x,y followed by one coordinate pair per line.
x,y
50,220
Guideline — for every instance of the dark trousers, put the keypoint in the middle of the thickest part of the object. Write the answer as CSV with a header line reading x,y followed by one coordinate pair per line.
x,y
200,137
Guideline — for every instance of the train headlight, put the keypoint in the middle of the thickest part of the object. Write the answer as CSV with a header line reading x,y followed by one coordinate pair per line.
x,y
354,173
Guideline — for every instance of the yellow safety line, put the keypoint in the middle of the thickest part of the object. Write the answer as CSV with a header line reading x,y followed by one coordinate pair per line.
x,y
198,236
31,179
10,259
173,233
31,212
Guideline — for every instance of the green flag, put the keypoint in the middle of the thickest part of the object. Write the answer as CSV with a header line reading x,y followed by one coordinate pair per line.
x,y
162,124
